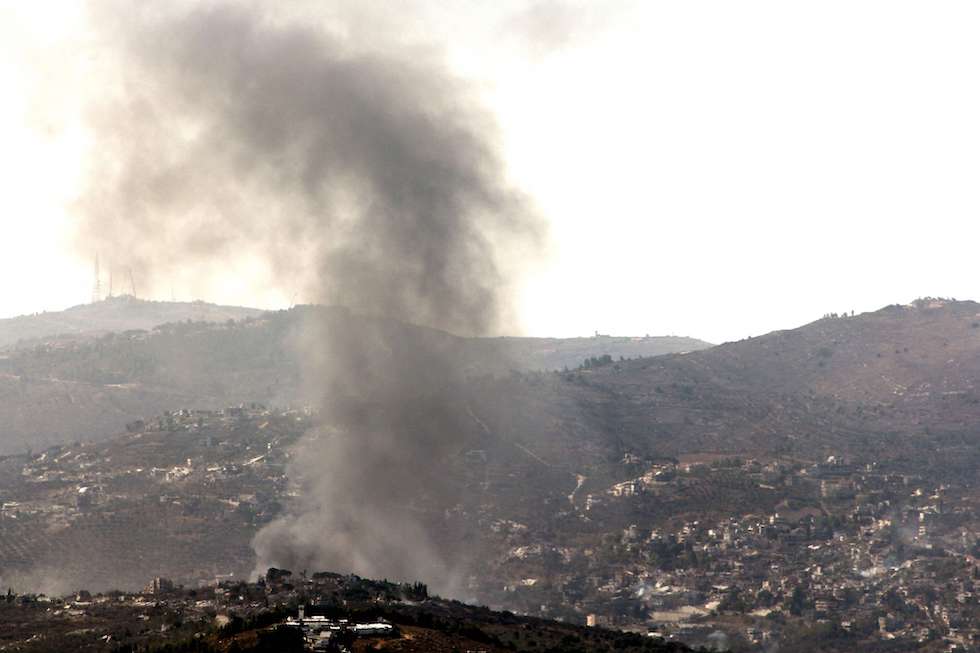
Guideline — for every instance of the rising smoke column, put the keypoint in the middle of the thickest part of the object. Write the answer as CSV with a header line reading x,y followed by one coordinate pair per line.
x,y
368,177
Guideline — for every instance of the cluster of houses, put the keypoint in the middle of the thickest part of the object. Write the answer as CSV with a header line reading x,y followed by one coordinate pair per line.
x,y
323,633
882,556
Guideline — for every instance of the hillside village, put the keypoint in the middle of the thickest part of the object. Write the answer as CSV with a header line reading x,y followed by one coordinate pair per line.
x,y
847,554
179,496
862,552
817,485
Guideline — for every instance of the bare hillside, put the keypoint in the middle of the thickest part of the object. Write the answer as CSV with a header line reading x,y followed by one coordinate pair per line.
x,y
899,378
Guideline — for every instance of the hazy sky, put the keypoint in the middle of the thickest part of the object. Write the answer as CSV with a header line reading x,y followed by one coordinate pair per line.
x,y
713,169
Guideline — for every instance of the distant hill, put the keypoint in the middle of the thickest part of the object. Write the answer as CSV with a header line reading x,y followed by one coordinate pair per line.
x,y
898,381
127,313
903,375
857,383
120,313
561,353
89,383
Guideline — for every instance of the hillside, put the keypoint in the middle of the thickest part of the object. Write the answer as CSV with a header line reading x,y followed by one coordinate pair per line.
x,y
903,376
699,490
850,384
120,313
62,389
593,533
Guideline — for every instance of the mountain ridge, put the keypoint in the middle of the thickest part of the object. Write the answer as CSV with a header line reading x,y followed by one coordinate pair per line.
x,y
89,383
118,313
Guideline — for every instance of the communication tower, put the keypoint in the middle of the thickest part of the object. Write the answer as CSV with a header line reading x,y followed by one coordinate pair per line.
x,y
97,289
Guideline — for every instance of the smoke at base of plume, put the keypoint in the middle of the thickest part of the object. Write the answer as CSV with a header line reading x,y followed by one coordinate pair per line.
x,y
363,176
374,482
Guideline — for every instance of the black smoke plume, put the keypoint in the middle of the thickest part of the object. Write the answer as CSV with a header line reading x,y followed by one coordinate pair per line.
x,y
359,171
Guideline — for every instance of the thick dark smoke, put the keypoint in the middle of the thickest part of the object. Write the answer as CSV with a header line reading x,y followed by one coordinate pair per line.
x,y
362,173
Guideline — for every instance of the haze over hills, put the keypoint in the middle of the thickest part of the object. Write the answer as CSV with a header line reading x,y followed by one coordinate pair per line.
x,y
905,372
844,381
561,353
92,368
119,313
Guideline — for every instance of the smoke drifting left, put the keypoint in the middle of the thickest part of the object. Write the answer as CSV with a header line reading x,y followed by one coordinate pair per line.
x,y
363,173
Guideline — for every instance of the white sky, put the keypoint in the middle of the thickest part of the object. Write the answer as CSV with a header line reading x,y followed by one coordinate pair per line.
x,y
713,169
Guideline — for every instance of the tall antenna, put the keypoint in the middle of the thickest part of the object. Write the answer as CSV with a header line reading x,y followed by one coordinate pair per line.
x,y
132,284
110,281
97,289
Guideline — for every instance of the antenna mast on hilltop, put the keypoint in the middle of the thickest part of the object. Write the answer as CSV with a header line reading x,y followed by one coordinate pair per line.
x,y
97,289
132,284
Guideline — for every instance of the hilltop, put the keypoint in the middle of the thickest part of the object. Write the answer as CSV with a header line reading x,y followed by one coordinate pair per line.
x,y
119,313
